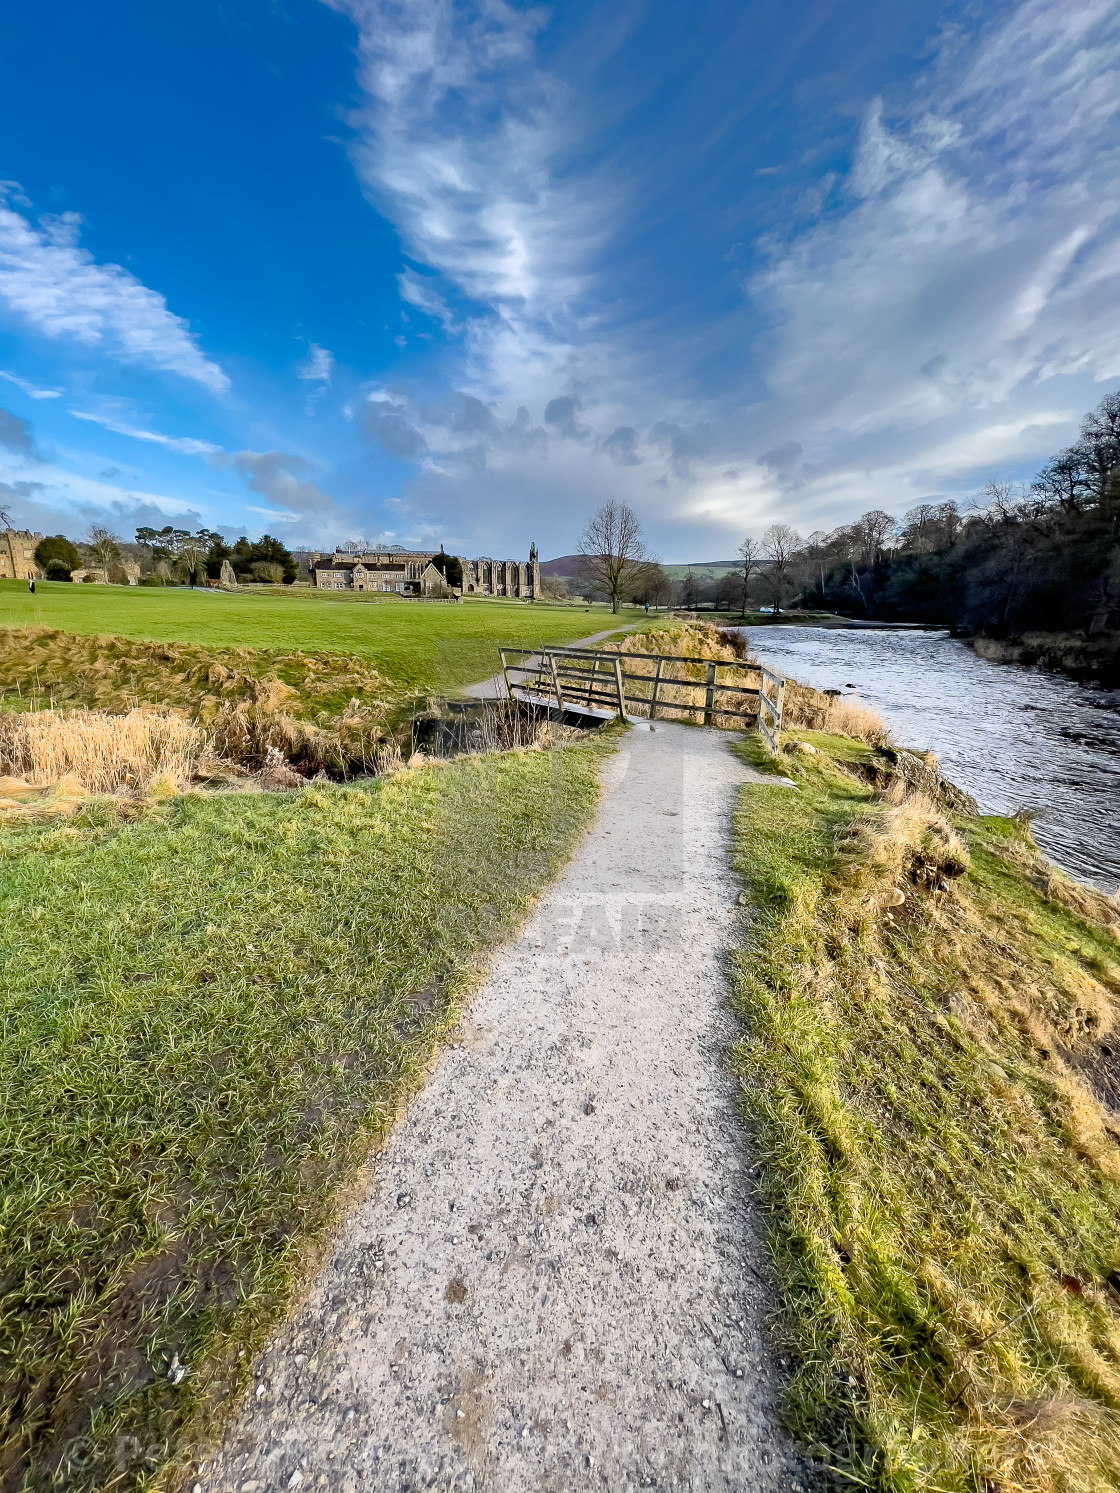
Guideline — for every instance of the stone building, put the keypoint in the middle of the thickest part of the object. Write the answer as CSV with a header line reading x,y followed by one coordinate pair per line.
x,y
488,577
119,573
407,572
17,555
416,573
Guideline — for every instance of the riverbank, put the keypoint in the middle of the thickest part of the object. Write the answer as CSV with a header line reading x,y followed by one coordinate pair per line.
x,y
931,1080
1087,657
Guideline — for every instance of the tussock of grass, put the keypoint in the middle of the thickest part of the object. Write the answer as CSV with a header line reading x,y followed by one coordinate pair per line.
x,y
929,1009
322,711
211,1008
101,753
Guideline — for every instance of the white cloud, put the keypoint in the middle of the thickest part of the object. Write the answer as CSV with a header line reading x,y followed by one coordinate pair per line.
x,y
186,444
953,303
30,389
974,256
62,291
274,513
319,365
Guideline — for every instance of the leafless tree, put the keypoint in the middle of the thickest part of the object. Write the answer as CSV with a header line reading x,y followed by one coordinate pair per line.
x,y
689,591
750,552
652,586
104,546
780,544
5,517
871,532
613,550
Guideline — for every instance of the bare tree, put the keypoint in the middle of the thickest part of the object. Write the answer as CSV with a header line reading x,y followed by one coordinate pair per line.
x,y
5,517
652,586
780,544
750,552
613,550
689,592
104,546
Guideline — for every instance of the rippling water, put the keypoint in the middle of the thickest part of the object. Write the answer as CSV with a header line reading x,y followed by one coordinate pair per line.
x,y
1012,737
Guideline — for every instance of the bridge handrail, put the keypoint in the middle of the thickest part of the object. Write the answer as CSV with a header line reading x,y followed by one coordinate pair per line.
x,y
571,678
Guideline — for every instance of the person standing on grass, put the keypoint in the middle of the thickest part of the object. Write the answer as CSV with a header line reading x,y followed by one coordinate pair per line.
x,y
31,584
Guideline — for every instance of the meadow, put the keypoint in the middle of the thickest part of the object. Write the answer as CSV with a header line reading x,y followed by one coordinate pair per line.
x,y
419,647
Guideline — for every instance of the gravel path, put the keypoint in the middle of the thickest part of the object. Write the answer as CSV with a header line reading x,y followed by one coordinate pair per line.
x,y
553,1280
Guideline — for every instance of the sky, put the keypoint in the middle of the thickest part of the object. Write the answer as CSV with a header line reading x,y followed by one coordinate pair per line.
x,y
416,271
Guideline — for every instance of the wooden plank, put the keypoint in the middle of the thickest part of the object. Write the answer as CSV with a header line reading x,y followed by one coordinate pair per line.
x,y
618,683
709,694
653,697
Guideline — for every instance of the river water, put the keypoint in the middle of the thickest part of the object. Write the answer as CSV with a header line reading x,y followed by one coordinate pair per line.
x,y
1012,737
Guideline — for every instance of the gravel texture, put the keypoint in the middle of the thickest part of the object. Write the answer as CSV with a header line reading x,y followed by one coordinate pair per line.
x,y
554,1280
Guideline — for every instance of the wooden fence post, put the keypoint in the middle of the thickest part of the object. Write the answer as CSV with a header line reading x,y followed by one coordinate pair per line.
x,y
710,695
505,671
653,697
555,680
618,682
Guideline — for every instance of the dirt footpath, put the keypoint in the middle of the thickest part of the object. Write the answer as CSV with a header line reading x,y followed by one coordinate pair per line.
x,y
553,1281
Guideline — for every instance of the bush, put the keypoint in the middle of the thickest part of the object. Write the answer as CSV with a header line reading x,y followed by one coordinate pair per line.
x,y
58,547
57,570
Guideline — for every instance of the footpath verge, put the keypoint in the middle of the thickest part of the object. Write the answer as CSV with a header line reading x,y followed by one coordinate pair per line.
x,y
931,1080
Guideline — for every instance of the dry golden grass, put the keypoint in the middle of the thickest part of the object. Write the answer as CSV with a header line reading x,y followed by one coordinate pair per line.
x,y
140,752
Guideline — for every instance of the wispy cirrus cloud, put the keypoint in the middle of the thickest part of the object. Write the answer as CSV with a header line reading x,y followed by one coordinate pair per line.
x,y
186,444
946,293
30,389
60,289
969,259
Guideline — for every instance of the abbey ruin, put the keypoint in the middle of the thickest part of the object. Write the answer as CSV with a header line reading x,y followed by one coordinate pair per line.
x,y
431,573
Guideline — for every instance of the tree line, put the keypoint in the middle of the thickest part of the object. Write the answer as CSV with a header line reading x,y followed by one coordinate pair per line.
x,y
1043,556
169,556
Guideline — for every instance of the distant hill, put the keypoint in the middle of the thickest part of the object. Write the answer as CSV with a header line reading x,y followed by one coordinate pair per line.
x,y
563,565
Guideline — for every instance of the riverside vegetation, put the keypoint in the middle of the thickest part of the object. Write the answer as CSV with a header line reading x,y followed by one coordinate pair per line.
x,y
934,1092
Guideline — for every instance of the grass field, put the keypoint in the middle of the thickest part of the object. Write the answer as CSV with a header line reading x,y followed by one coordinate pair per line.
x,y
210,1008
419,647
927,1071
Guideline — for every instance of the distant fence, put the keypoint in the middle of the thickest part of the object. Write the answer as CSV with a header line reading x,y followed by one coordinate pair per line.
x,y
647,686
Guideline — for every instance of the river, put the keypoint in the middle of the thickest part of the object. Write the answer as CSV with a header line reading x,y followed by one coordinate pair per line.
x,y
1012,737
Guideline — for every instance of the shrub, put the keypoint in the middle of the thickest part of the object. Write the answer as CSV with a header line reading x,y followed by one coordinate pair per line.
x,y
58,547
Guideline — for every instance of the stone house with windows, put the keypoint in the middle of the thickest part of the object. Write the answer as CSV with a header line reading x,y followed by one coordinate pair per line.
x,y
416,573
17,555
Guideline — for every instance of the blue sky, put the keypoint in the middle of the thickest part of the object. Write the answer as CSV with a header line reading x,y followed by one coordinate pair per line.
x,y
431,271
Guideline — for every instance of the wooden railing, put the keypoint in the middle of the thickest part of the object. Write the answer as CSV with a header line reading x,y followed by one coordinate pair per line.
x,y
589,681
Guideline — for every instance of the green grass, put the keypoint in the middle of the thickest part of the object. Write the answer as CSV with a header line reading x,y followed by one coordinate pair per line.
x,y
210,1010
419,647
942,1185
